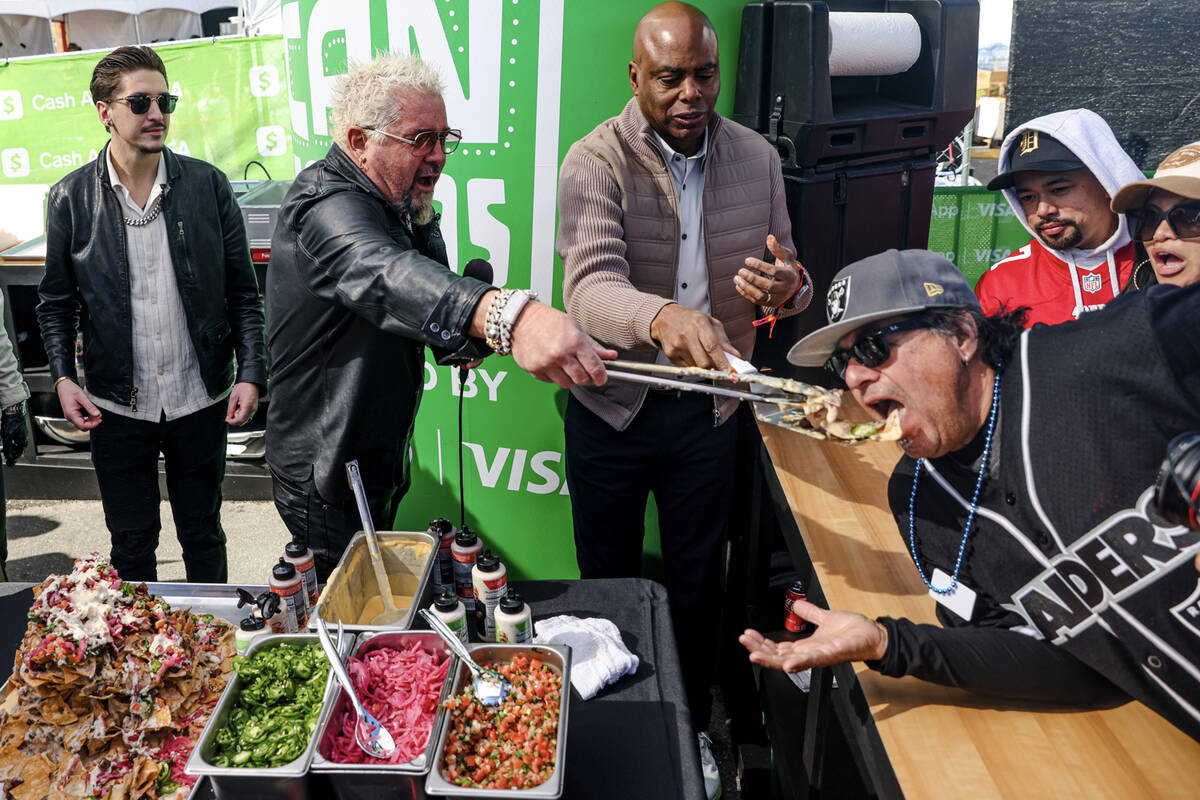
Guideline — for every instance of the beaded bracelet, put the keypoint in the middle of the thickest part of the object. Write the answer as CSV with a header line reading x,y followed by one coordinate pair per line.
x,y
502,313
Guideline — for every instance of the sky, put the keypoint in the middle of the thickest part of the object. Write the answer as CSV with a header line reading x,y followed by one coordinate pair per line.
x,y
995,21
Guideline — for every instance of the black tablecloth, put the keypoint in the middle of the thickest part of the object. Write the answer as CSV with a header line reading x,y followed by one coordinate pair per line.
x,y
632,740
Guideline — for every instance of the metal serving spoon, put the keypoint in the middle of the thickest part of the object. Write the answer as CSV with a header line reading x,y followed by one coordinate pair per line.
x,y
490,686
390,613
369,733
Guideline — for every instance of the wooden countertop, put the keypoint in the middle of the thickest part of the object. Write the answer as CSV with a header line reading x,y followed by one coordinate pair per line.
x,y
944,742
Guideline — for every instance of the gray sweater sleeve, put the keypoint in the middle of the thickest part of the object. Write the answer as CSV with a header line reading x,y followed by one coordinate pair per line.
x,y
12,388
597,291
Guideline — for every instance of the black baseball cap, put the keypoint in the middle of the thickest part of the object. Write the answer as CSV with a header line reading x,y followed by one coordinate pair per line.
x,y
884,285
1034,151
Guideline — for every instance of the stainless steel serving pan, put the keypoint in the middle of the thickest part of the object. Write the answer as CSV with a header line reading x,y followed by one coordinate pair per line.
x,y
382,781
286,782
558,656
409,558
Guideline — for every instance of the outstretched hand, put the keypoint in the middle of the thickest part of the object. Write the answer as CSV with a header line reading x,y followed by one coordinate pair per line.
x,y
841,636
770,285
548,345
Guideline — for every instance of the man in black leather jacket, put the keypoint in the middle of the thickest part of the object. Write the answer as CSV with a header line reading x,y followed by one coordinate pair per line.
x,y
358,286
146,251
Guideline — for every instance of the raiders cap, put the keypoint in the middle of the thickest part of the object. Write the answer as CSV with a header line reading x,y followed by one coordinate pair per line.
x,y
1179,173
1034,151
884,285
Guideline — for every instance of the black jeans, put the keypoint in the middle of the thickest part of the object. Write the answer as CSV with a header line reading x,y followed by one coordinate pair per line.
x,y
125,454
3,529
325,527
672,449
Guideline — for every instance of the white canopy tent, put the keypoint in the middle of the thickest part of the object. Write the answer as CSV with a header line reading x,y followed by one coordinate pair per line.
x,y
96,24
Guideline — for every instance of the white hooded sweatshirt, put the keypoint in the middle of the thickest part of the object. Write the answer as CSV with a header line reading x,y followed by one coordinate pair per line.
x,y
1088,136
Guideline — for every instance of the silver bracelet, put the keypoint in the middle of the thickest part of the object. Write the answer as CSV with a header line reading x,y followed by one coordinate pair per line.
x,y
502,313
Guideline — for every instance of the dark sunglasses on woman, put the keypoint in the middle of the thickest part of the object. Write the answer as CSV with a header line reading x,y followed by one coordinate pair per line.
x,y
1183,220
140,103
871,349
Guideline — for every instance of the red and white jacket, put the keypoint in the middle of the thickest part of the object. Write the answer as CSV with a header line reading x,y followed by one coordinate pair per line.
x,y
1054,285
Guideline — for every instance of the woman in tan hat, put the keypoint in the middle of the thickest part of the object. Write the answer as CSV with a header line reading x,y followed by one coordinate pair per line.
x,y
1164,219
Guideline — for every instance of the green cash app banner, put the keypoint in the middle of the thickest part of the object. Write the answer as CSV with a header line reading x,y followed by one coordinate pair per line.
x,y
232,110
524,80
974,228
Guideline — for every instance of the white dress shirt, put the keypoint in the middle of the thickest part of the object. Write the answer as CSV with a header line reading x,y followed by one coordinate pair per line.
x,y
166,373
691,275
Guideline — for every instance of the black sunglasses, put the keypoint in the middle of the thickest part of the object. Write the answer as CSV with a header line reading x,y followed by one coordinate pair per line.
x,y
140,103
870,349
1183,220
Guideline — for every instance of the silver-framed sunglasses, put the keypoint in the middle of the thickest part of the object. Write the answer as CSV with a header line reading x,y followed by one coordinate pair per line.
x,y
423,142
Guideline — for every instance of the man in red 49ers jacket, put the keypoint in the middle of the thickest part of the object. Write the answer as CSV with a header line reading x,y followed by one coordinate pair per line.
x,y
1058,173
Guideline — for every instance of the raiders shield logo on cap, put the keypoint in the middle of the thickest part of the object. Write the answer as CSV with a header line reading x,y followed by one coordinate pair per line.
x,y
835,301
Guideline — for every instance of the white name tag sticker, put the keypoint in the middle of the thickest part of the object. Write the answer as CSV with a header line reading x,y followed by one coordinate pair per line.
x,y
961,601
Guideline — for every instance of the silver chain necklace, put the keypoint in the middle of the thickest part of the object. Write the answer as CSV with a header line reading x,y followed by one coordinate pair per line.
x,y
141,222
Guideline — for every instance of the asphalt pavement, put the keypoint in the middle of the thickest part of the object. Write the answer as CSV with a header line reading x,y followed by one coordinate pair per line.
x,y
46,536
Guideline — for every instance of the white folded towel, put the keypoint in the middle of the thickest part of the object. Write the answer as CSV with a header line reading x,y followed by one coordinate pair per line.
x,y
598,656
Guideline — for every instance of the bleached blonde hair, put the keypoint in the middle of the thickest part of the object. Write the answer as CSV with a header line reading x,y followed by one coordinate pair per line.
x,y
366,95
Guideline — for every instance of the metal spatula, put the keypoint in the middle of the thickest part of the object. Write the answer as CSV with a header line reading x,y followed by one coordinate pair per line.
x,y
390,612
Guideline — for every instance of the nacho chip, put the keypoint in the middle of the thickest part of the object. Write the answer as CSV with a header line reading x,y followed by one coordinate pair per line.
x,y
35,779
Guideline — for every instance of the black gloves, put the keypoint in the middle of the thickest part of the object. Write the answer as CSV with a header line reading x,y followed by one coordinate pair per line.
x,y
14,432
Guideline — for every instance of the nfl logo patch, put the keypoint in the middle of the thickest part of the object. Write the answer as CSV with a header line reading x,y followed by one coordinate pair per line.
x,y
835,300
1091,283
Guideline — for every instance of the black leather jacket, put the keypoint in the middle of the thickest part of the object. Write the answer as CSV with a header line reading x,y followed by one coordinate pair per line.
x,y
353,297
87,279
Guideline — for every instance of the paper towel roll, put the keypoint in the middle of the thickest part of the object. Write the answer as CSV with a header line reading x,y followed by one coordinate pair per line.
x,y
862,43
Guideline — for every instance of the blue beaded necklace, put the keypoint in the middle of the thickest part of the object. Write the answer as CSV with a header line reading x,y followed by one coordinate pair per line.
x,y
912,499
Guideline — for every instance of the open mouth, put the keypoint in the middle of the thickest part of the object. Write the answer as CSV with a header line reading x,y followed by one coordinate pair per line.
x,y
883,406
426,182
1165,262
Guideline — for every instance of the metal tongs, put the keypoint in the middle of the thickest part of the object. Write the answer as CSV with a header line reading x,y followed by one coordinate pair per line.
x,y
761,388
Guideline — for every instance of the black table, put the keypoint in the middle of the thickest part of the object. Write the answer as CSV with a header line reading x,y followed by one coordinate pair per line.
x,y
634,739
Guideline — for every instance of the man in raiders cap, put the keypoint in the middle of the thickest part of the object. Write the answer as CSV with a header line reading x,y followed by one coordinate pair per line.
x,y
1024,492
1058,172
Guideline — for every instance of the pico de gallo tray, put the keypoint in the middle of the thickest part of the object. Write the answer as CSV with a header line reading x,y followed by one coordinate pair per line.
x,y
109,690
511,746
